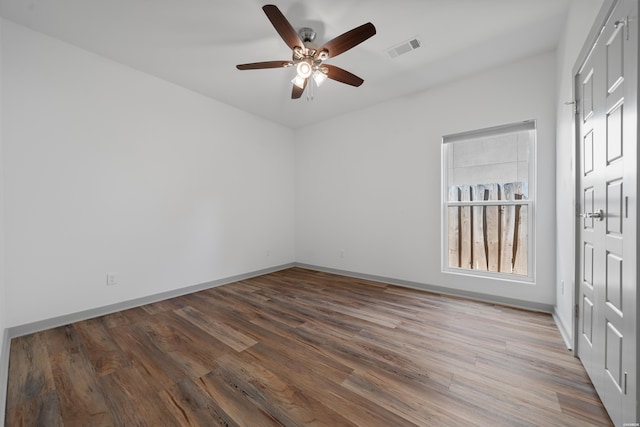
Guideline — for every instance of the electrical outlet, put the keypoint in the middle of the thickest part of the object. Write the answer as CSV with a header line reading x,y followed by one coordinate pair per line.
x,y
111,279
268,252
341,253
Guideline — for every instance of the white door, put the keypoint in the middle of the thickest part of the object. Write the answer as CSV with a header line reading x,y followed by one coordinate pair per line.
x,y
606,88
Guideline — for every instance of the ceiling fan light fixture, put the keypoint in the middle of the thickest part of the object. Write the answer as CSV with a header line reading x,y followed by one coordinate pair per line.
x,y
319,77
304,69
298,81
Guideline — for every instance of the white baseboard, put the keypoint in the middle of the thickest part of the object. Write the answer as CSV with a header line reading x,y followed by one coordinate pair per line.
x,y
477,296
564,331
54,322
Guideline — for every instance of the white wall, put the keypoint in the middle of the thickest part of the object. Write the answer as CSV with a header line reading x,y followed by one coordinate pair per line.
x,y
110,170
2,283
369,182
580,19
4,353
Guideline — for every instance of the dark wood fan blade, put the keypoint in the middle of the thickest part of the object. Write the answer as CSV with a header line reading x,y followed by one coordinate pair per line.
x,y
282,26
342,76
262,65
296,92
348,40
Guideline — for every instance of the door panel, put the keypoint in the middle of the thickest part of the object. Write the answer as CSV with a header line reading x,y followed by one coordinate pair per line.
x,y
588,268
589,206
587,151
587,320
613,357
614,133
615,57
614,208
587,95
614,281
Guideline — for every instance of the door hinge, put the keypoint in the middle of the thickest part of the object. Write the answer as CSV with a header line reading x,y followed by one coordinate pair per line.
x,y
575,106
626,206
625,383
577,311
625,24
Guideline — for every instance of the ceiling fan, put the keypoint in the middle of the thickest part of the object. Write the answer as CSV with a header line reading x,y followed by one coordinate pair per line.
x,y
307,57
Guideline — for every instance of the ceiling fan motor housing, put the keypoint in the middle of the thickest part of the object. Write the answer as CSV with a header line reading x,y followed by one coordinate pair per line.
x,y
307,34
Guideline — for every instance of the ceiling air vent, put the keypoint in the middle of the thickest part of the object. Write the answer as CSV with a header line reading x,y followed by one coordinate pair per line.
x,y
404,47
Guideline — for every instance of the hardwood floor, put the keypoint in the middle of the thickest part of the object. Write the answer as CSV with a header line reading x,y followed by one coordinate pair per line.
x,y
300,347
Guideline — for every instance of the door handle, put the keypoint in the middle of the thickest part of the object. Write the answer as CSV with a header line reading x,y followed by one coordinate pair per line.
x,y
599,215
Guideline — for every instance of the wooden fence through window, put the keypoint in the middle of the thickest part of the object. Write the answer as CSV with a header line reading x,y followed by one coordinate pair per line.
x,y
488,237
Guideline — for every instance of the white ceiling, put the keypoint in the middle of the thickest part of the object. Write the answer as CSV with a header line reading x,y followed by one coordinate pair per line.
x,y
197,43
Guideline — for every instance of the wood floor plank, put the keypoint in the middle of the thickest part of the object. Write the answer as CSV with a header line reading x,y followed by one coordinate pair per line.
x,y
587,412
265,307
289,354
321,313
279,392
444,353
356,353
485,392
239,406
419,403
82,401
324,387
191,407
31,370
131,402
160,370
114,319
189,345
223,332
300,347
105,355
43,410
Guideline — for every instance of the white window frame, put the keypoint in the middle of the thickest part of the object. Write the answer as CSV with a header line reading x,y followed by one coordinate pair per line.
x,y
530,203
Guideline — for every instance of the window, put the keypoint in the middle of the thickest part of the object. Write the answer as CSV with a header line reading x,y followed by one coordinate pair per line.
x,y
488,213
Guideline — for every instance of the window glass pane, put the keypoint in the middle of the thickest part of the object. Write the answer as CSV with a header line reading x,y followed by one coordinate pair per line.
x,y
483,167
490,159
489,238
